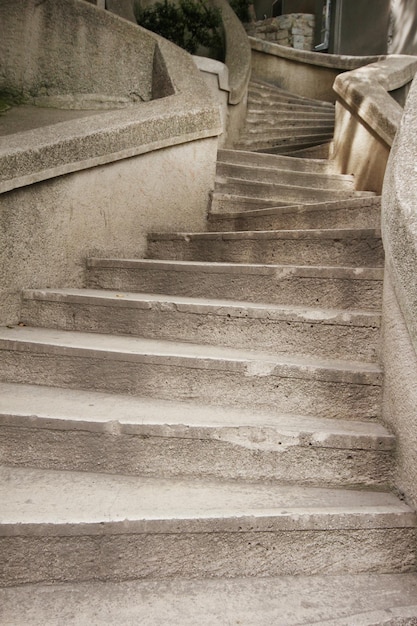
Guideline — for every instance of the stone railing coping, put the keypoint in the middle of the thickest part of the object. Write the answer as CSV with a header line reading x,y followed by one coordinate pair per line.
x,y
211,66
238,52
366,91
188,114
335,61
399,213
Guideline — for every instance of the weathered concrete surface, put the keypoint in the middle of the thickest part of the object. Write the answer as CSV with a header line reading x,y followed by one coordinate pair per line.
x,y
302,72
399,222
51,227
184,371
88,431
75,59
330,333
258,159
400,392
360,600
367,118
344,247
358,288
352,213
107,527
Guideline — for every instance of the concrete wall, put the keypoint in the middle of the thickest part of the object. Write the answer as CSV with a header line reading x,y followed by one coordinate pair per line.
x,y
48,229
404,35
53,48
399,347
98,184
367,118
309,74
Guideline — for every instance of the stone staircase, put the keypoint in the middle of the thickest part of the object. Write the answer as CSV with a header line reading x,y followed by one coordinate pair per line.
x,y
284,123
210,413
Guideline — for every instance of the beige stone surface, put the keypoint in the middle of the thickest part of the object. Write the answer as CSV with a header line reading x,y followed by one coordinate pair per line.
x,y
107,527
361,600
51,227
302,72
184,371
282,284
286,330
75,58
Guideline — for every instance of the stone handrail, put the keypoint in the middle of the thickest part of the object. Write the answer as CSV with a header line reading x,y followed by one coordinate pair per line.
x,y
366,92
306,73
237,55
367,118
399,214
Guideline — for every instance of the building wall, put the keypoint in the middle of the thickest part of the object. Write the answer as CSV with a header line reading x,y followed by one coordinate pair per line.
x,y
404,27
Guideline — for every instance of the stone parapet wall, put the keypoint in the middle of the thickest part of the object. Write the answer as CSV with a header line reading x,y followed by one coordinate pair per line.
x,y
103,180
295,30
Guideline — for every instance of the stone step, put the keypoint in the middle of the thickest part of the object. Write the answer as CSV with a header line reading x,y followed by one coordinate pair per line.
x,y
286,131
284,177
318,151
352,213
285,143
79,526
284,192
276,116
184,371
258,104
63,429
327,333
272,92
331,247
230,203
256,159
292,285
343,600
227,202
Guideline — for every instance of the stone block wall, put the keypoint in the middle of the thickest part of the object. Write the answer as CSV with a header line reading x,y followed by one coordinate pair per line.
x,y
295,30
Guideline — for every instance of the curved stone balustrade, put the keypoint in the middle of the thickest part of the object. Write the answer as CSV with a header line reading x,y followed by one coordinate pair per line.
x,y
400,214
104,178
306,73
184,113
367,117
399,346
367,91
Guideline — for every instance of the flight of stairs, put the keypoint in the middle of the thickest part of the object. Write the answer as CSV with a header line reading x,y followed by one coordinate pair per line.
x,y
284,123
210,411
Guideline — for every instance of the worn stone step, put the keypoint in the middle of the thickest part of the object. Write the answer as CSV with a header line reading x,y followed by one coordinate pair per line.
x,y
332,333
352,213
257,104
284,192
285,143
69,526
67,429
332,247
284,176
271,117
314,151
343,600
274,93
293,285
284,132
240,157
228,202
185,371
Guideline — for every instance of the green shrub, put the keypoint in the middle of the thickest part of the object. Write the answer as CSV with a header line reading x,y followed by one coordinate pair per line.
x,y
190,24
241,8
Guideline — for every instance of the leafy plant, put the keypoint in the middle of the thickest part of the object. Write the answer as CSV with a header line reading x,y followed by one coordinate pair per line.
x,y
189,24
241,8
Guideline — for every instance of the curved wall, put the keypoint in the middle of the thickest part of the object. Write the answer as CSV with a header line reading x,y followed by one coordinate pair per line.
x,y
97,184
399,348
